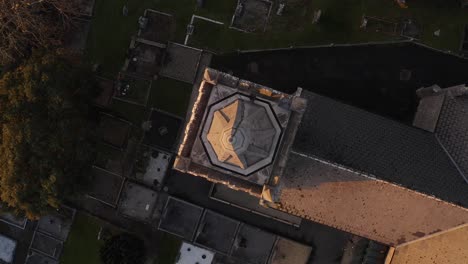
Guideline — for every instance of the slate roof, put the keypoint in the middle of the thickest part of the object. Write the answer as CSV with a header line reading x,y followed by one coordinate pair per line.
x,y
452,130
384,148
339,197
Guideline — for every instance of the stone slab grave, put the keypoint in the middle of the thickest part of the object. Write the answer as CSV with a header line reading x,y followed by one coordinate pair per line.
x,y
137,202
7,249
47,245
105,186
251,15
189,254
180,218
144,59
156,26
151,166
181,62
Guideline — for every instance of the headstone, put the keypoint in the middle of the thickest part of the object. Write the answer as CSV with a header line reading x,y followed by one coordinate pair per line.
x,y
163,131
317,15
280,9
239,9
190,29
364,22
142,22
125,10
200,3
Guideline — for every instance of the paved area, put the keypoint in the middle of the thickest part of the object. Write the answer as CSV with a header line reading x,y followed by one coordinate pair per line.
x,y
249,202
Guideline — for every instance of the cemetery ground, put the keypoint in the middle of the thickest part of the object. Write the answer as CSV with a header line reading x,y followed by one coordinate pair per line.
x,y
340,24
108,46
83,245
111,33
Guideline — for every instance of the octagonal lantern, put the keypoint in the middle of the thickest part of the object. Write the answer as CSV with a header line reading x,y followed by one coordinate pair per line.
x,y
241,134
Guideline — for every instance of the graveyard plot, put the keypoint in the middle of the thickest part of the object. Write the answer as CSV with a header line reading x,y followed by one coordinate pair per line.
x,y
132,90
105,186
151,166
144,60
410,29
163,131
379,25
217,10
170,95
113,160
156,26
464,44
137,202
251,15
105,92
113,130
205,34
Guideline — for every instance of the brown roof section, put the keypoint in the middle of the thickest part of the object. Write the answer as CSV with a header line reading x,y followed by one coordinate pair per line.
x,y
341,198
449,246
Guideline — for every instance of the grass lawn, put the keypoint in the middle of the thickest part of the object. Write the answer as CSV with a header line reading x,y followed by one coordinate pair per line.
x,y
168,249
82,245
110,33
170,95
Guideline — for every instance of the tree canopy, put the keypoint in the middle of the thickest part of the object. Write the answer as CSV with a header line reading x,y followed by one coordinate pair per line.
x,y
45,150
123,249
30,24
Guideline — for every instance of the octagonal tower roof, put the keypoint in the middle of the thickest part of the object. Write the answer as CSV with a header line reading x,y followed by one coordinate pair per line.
x,y
241,134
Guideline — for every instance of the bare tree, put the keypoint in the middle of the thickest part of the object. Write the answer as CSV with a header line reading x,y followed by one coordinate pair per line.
x,y
28,24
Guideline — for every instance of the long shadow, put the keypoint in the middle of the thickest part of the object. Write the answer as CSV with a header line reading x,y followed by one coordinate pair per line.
x,y
379,78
